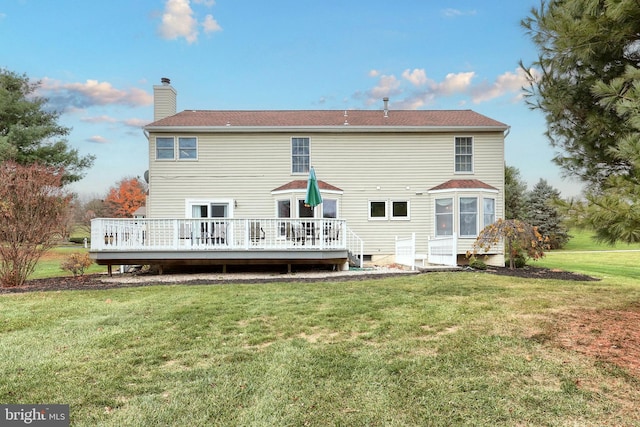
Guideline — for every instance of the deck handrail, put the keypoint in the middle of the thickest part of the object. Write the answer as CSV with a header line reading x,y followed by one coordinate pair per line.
x,y
158,234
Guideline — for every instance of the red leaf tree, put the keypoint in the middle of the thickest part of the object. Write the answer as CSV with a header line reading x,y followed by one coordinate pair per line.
x,y
126,197
519,238
33,204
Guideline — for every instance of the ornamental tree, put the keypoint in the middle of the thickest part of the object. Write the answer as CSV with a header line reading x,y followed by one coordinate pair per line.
x,y
125,197
32,206
518,237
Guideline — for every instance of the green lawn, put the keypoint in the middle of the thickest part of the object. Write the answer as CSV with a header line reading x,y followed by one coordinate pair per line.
x,y
49,264
437,349
582,240
432,349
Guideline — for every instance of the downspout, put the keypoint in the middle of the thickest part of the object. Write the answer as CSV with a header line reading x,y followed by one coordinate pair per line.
x,y
507,132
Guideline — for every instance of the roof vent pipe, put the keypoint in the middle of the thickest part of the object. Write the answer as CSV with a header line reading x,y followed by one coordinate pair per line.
x,y
386,106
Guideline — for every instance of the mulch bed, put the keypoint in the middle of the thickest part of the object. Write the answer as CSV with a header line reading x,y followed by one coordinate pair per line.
x,y
531,272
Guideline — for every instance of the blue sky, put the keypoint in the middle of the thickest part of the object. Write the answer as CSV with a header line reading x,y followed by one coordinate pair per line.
x,y
98,62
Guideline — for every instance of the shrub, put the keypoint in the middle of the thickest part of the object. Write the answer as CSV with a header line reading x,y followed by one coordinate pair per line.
x,y
476,263
519,261
77,263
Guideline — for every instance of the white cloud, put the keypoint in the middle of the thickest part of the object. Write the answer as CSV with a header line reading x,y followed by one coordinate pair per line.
x,y
417,77
98,139
454,83
416,90
453,13
179,20
505,83
386,87
68,96
211,25
98,119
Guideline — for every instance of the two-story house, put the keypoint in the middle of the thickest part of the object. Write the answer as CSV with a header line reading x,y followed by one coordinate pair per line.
x,y
229,186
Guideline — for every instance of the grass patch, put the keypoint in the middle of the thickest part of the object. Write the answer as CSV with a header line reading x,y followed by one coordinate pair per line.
x,y
433,349
583,240
584,255
49,263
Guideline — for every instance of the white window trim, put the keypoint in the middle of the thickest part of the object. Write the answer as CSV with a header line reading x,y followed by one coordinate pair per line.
x,y
177,149
453,216
400,218
291,155
484,213
473,155
378,218
337,208
172,159
315,209
188,204
469,236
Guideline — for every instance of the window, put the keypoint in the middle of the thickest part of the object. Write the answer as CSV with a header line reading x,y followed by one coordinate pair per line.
x,y
284,208
468,216
464,154
304,210
284,211
164,148
489,211
299,155
187,148
400,210
329,208
444,217
377,210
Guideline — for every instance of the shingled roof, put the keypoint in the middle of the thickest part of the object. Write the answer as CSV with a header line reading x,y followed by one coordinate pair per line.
x,y
301,184
329,118
463,184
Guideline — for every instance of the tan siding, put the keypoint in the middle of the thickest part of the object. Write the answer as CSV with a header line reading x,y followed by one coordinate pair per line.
x,y
247,167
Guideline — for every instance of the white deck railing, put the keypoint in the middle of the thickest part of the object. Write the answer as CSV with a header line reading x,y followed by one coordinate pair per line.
x,y
443,251
110,234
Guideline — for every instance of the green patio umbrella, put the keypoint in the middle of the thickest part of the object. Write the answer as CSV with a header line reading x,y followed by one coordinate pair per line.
x,y
313,197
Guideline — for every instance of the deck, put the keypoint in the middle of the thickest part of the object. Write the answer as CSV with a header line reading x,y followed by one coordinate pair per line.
x,y
223,241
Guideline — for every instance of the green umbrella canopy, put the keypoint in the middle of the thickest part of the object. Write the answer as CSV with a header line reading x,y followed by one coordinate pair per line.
x,y
313,197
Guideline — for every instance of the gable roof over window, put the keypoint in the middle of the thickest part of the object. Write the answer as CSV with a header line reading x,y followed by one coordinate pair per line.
x,y
466,184
301,184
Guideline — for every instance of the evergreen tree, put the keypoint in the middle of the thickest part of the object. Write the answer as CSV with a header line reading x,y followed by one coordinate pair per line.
x,y
589,90
515,190
543,214
30,134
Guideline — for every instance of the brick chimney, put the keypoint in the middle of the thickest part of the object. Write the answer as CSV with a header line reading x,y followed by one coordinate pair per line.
x,y
164,100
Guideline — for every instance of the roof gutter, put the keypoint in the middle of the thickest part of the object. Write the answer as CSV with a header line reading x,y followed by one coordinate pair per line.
x,y
326,129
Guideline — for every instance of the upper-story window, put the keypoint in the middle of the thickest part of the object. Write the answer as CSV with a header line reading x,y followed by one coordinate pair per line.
x,y
165,149
464,154
300,155
187,148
